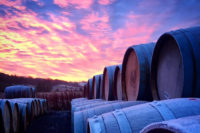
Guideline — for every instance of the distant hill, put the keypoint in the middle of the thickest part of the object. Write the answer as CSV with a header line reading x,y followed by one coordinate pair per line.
x,y
41,85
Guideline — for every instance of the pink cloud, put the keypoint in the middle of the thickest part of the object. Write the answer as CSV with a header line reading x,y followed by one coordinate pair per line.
x,y
10,3
105,2
85,4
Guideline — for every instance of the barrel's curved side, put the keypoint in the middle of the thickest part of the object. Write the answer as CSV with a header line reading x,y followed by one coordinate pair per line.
x,y
116,88
145,114
110,71
15,116
95,86
181,125
101,86
6,114
187,41
90,88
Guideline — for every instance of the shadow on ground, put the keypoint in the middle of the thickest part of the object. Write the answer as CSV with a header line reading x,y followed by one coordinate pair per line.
x,y
53,122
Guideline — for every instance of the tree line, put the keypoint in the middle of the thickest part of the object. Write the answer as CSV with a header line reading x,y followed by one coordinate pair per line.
x,y
41,85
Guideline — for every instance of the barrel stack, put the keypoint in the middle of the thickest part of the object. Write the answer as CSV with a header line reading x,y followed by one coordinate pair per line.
x,y
154,89
19,108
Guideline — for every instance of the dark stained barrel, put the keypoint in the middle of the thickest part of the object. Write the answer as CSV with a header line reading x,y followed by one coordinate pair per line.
x,y
15,116
24,117
136,72
101,86
182,125
135,118
117,84
30,103
80,117
34,92
6,116
89,90
108,77
19,91
95,87
175,70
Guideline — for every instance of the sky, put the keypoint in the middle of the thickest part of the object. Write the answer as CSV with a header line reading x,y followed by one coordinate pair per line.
x,y
73,40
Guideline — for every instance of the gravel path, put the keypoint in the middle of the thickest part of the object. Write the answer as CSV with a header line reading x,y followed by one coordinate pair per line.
x,y
53,122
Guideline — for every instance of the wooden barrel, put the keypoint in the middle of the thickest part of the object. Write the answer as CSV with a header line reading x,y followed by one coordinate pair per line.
x,y
175,70
136,72
38,107
182,125
117,84
19,91
80,117
108,77
24,117
83,103
31,107
95,87
42,105
34,92
134,119
6,117
15,116
93,104
89,90
76,100
101,86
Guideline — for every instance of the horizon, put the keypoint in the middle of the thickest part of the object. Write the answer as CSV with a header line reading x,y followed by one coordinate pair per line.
x,y
74,40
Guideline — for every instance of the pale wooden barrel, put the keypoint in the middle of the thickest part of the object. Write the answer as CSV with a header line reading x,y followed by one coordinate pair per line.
x,y
80,117
134,119
78,100
79,104
182,125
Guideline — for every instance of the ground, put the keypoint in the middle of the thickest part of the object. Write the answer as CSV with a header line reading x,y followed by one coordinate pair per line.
x,y
53,122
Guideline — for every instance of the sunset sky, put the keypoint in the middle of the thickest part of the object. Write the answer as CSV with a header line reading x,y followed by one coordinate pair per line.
x,y
73,40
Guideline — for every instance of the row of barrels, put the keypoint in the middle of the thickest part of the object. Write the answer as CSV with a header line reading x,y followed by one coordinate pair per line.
x,y
59,100
20,91
16,114
179,115
169,68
